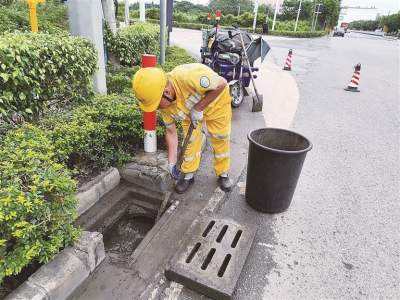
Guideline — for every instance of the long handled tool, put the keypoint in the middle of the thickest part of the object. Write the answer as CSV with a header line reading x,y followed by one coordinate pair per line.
x,y
179,166
257,98
184,147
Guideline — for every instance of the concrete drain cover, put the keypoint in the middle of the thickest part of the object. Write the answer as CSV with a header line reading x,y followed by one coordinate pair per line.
x,y
211,260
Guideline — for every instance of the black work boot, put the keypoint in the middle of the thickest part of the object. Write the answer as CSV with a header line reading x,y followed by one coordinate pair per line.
x,y
183,184
225,183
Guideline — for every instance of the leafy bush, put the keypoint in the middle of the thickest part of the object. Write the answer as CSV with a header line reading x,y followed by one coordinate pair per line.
x,y
37,202
102,132
176,56
39,72
52,17
119,78
299,34
131,42
392,22
364,25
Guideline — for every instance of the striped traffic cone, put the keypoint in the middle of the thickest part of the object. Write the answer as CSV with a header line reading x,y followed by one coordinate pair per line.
x,y
353,85
288,62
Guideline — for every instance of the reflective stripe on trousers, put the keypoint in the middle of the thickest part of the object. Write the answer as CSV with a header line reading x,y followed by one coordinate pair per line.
x,y
219,130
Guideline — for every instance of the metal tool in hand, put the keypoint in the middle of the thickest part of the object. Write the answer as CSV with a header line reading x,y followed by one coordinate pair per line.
x,y
184,147
257,98
179,166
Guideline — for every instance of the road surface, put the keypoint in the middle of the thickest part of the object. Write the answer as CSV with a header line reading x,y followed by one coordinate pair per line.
x,y
340,237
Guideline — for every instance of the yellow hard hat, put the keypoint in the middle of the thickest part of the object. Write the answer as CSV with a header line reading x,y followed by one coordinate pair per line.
x,y
148,86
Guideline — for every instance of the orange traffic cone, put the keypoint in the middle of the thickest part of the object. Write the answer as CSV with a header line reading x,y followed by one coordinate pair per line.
x,y
353,85
288,62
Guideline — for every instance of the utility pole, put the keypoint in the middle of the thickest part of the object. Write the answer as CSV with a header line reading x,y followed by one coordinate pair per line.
x,y
127,21
109,14
317,12
255,15
313,16
298,14
142,11
86,20
163,25
276,11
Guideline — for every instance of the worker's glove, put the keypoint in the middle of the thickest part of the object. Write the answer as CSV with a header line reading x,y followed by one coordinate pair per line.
x,y
196,117
173,170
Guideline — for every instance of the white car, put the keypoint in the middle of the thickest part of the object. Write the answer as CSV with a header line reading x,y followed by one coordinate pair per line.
x,y
339,31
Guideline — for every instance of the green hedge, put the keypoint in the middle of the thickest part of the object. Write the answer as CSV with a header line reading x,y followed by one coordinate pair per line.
x,y
40,72
119,78
300,34
37,202
103,132
131,42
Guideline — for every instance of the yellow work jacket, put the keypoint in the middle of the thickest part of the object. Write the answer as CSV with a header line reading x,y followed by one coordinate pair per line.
x,y
191,82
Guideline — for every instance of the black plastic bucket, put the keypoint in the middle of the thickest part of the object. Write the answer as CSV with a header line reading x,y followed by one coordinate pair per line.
x,y
275,160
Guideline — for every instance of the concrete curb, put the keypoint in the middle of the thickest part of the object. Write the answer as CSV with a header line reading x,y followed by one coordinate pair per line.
x,y
59,278
149,171
92,191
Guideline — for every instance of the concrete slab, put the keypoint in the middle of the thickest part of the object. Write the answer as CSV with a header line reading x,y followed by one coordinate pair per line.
x,y
211,260
148,170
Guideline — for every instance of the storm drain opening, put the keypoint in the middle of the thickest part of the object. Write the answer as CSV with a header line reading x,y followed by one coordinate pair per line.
x,y
124,219
224,265
125,235
208,229
236,239
193,253
208,259
222,233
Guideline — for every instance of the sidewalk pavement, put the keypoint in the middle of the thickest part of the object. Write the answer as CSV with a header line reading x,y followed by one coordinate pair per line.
x,y
144,279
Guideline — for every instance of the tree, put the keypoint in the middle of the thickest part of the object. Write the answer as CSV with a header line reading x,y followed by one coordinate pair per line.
x,y
330,13
290,8
232,6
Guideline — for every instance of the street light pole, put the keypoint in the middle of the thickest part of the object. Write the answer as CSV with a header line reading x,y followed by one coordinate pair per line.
x,y
163,25
255,15
317,12
127,21
142,11
276,11
298,14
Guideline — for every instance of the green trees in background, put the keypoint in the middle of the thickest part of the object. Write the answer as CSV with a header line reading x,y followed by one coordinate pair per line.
x,y
290,7
391,22
330,13
232,6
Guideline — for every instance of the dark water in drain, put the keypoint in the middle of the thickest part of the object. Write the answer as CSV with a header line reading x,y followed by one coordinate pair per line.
x,y
125,235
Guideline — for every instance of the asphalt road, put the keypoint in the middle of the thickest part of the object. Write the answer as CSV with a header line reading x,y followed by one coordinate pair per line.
x,y
340,237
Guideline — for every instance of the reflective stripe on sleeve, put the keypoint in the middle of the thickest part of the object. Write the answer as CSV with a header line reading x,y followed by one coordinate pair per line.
x,y
192,100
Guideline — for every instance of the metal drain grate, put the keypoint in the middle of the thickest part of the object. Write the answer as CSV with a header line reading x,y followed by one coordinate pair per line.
x,y
211,260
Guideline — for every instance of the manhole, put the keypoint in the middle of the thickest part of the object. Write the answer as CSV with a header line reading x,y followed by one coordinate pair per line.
x,y
125,236
211,260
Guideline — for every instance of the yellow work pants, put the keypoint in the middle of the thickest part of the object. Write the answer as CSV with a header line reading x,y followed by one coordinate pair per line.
x,y
219,129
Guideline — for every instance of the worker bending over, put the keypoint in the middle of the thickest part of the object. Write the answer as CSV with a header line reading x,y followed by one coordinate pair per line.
x,y
190,93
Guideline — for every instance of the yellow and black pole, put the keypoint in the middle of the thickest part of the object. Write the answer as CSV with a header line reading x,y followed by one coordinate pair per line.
x,y
32,13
